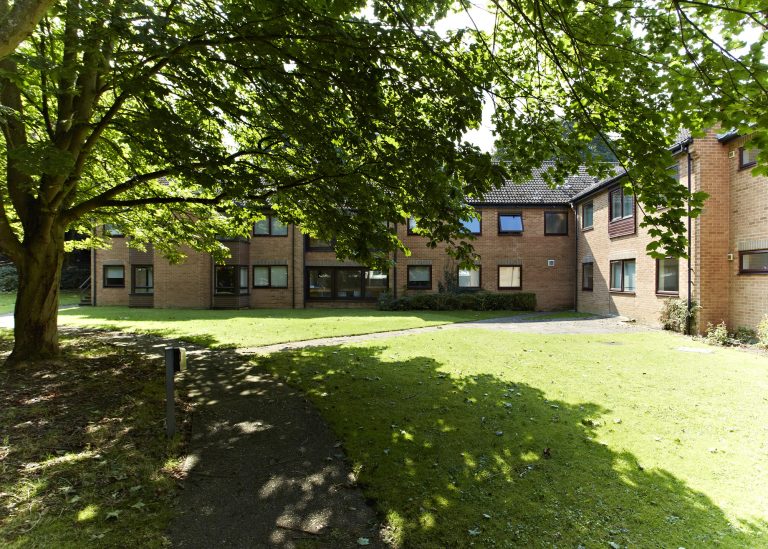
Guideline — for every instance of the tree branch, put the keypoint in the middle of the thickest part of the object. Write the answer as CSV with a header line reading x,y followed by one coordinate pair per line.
x,y
18,23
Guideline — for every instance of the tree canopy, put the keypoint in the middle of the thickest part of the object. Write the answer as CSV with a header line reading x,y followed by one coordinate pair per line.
x,y
182,120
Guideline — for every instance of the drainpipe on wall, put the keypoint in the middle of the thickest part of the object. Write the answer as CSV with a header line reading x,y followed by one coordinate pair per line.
x,y
93,272
688,327
576,259
293,265
394,271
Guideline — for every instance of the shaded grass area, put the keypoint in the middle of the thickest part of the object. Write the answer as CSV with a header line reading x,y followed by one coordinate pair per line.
x,y
255,327
83,457
8,299
492,439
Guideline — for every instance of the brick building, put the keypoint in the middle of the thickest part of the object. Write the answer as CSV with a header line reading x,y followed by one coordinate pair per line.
x,y
577,246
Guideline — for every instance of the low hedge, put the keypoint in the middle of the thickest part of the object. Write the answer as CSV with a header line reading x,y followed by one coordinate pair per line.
x,y
454,301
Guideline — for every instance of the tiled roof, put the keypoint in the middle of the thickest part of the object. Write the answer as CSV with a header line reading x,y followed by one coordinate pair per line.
x,y
537,191
618,173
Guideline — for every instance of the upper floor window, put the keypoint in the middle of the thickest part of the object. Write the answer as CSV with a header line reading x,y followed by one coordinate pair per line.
x,y
411,225
317,244
622,205
587,215
143,279
112,230
667,275
555,223
754,261
748,157
114,276
231,279
510,223
473,225
270,226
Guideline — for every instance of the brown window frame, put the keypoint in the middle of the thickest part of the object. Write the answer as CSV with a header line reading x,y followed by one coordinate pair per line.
x,y
624,215
269,276
610,277
742,165
667,292
584,286
334,285
480,222
309,248
237,289
511,214
498,277
479,270
104,277
270,233
741,262
133,280
410,285
584,227
567,228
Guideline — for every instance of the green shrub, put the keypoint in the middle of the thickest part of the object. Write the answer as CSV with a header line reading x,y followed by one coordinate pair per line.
x,y
674,313
454,301
762,332
9,279
745,335
717,335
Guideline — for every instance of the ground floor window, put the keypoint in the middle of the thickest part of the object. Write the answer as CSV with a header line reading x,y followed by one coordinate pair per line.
x,y
469,278
345,283
668,276
143,279
114,276
588,276
420,277
270,276
754,261
510,277
231,279
623,275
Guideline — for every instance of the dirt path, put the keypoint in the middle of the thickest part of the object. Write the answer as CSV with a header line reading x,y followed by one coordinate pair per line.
x,y
538,323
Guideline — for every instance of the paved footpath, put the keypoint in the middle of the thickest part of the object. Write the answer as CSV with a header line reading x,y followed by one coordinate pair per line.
x,y
534,323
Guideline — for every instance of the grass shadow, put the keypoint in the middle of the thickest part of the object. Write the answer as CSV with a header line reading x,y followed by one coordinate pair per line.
x,y
453,460
83,457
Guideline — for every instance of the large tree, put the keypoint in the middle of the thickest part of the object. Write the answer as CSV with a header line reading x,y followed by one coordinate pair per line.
x,y
181,120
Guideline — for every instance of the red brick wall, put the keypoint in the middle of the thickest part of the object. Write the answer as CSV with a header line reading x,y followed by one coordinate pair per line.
x,y
748,231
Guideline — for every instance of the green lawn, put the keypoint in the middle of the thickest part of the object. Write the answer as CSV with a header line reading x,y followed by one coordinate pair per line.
x,y
474,437
255,327
8,299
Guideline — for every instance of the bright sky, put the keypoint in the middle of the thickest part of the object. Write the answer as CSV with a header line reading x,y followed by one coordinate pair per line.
x,y
476,15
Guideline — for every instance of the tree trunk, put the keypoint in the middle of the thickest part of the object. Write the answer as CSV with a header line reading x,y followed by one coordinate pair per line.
x,y
37,300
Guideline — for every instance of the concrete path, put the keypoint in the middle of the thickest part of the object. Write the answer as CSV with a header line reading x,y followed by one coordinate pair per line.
x,y
6,319
536,323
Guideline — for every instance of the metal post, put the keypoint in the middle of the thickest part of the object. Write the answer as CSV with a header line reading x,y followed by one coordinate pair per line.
x,y
170,412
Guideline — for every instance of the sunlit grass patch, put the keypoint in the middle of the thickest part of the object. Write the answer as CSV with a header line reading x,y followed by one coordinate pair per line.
x,y
473,437
256,327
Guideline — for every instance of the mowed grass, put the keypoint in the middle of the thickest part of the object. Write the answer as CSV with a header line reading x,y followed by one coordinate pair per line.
x,y
8,300
256,327
484,438
83,457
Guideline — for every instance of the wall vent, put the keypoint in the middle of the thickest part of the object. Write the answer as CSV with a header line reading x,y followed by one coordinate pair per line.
x,y
731,154
550,262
